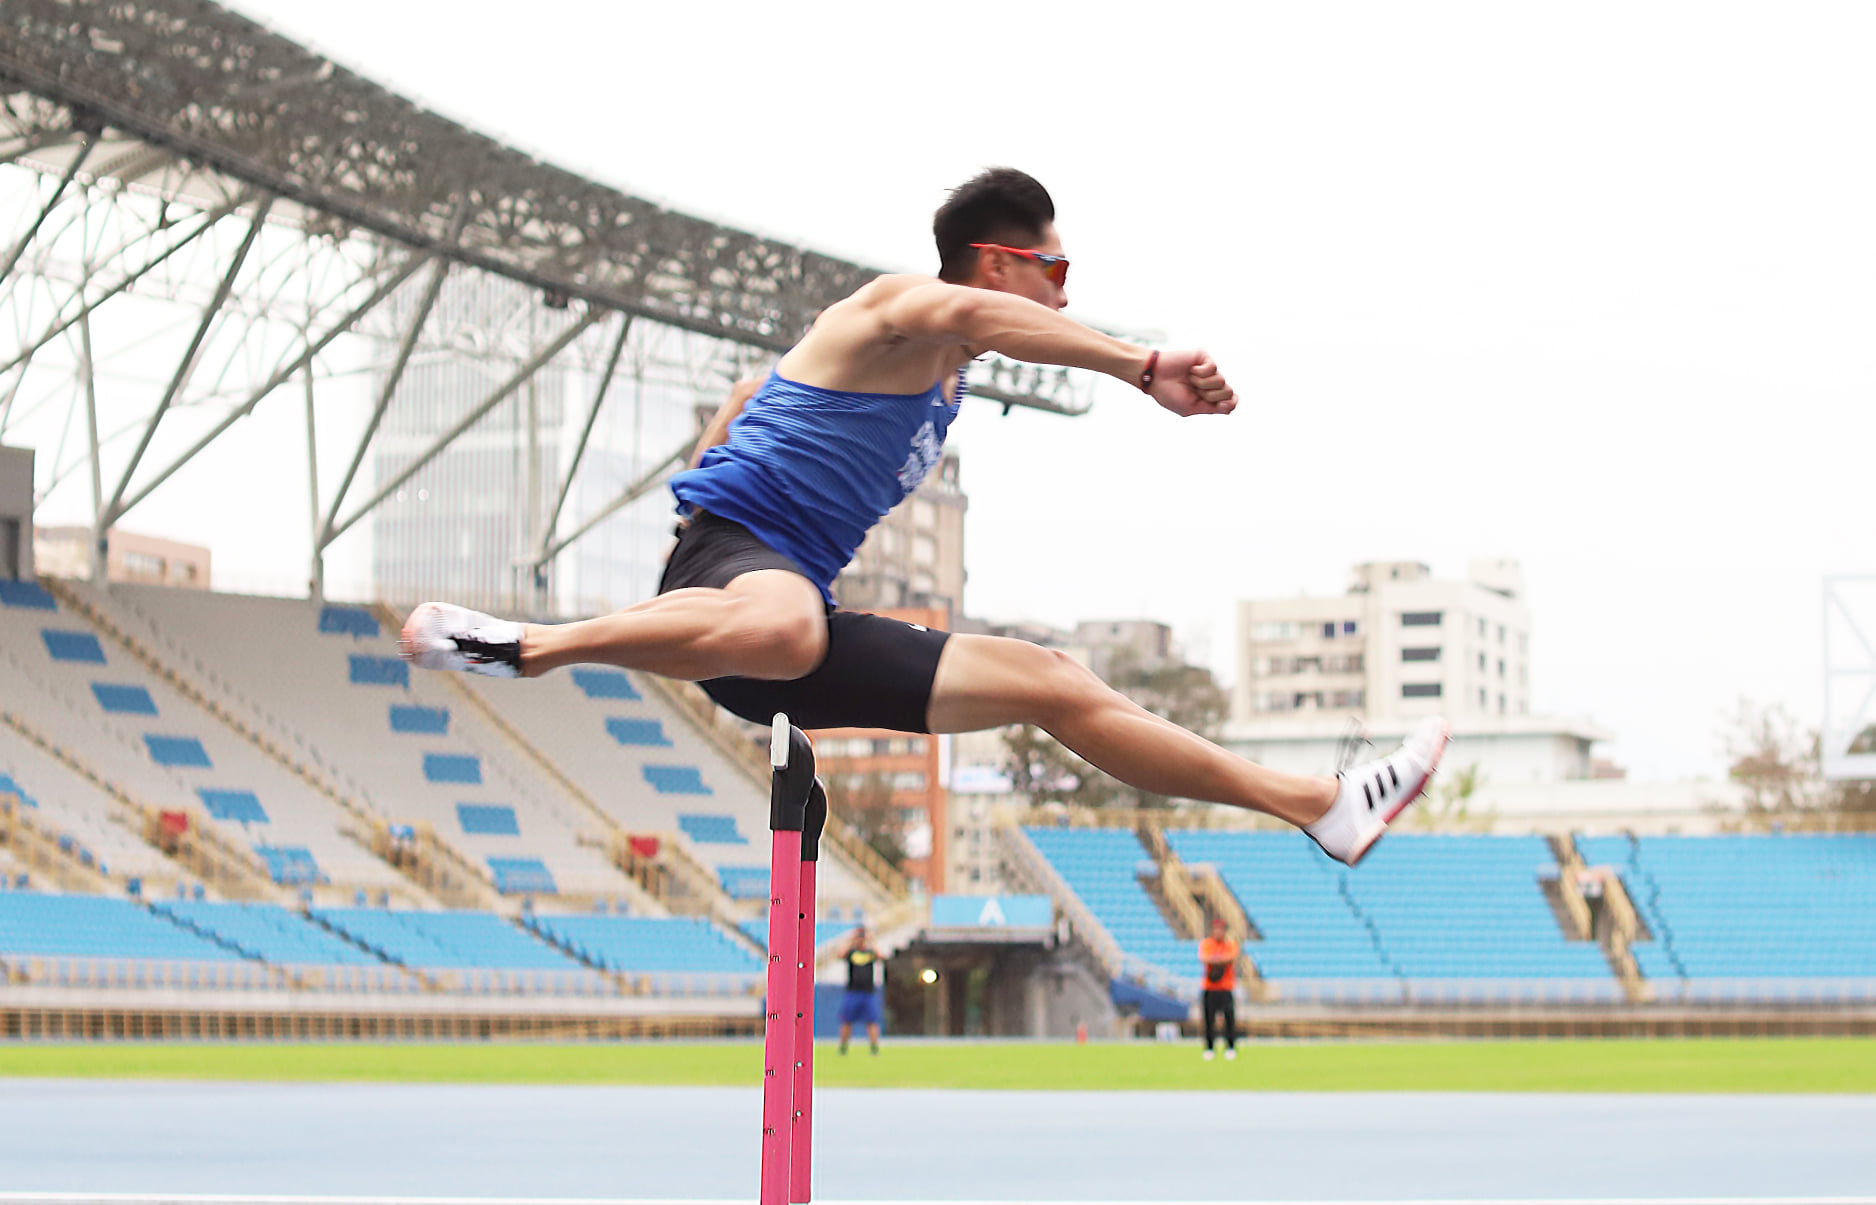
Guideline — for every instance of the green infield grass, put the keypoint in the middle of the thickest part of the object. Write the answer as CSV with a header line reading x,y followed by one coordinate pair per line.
x,y
1679,1065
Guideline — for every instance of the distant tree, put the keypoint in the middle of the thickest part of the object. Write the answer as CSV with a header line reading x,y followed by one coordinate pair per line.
x,y
1773,758
1447,804
864,801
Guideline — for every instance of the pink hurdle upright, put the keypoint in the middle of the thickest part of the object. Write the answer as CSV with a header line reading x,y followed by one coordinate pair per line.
x,y
797,812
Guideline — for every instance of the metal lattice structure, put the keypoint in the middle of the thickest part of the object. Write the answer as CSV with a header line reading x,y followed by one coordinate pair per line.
x,y
204,206
1847,739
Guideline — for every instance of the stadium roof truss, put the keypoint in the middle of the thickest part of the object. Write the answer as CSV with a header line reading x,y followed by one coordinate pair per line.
x,y
1847,740
274,203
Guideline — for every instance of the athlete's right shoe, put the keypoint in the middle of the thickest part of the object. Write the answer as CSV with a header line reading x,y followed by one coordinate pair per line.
x,y
444,636
1374,793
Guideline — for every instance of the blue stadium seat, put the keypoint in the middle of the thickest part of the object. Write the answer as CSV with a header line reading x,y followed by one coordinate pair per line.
x,y
744,882
72,646
123,700
650,944
430,721
604,683
478,940
676,780
452,767
636,732
290,865
522,876
9,786
27,596
379,671
177,751
490,818
1751,917
242,807
267,932
97,927
356,622
711,830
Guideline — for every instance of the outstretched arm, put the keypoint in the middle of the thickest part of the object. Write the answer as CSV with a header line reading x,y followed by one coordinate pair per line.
x,y
1185,382
718,428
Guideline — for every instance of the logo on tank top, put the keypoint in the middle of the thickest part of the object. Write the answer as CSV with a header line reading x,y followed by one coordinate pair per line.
x,y
926,448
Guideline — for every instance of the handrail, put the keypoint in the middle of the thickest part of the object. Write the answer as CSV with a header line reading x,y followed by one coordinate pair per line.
x,y
234,871
1569,885
1093,933
38,847
1621,933
439,868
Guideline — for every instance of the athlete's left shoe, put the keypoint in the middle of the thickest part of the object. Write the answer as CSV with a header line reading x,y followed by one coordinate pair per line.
x,y
444,636
1372,794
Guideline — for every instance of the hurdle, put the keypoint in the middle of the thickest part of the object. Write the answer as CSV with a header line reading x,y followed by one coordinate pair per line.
x,y
797,814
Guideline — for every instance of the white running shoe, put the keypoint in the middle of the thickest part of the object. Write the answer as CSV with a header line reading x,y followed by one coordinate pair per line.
x,y
1231,1053
1375,792
1208,1056
445,636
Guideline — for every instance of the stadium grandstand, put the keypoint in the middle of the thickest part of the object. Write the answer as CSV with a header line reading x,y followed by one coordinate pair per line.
x,y
227,813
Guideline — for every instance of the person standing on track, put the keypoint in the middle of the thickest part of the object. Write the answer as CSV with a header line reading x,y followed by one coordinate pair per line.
x,y
792,473
1218,954
860,1004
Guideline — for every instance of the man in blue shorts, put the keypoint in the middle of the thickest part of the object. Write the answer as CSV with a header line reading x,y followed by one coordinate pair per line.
x,y
794,470
860,1004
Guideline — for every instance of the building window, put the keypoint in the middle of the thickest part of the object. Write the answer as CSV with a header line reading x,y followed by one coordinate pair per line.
x,y
1273,629
1482,703
1350,628
1481,627
909,780
1501,669
1420,690
1349,698
1420,654
1305,699
1501,633
1501,705
1328,629
1421,619
1481,662
145,565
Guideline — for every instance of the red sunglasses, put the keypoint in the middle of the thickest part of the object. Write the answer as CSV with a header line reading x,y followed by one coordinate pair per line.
x,y
1055,265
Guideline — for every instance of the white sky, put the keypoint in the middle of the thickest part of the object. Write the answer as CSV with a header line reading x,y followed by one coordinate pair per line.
x,y
1591,285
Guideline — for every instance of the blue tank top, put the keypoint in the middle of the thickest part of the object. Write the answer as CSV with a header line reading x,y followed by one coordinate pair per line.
x,y
811,470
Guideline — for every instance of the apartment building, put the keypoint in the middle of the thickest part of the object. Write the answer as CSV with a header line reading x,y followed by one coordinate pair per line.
x,y
1398,644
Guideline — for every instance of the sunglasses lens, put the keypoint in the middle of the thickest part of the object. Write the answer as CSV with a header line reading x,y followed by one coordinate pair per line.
x,y
1058,272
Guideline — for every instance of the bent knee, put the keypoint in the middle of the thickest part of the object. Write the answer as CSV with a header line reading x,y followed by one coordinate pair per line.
x,y
1058,684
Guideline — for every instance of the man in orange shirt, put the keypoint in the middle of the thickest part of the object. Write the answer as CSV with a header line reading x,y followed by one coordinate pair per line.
x,y
1219,954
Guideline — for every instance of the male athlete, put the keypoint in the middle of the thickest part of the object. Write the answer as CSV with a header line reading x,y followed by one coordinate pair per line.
x,y
791,474
860,1002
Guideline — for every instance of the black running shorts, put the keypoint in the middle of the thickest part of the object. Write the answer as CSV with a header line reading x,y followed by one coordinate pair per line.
x,y
878,672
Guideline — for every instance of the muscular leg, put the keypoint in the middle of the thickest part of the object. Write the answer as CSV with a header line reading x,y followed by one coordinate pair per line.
x,y
767,624
990,682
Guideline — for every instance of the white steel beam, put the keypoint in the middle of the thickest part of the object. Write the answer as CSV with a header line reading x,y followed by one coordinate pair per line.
x,y
186,365
384,289
501,392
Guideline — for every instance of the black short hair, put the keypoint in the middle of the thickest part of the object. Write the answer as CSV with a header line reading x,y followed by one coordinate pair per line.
x,y
1000,205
